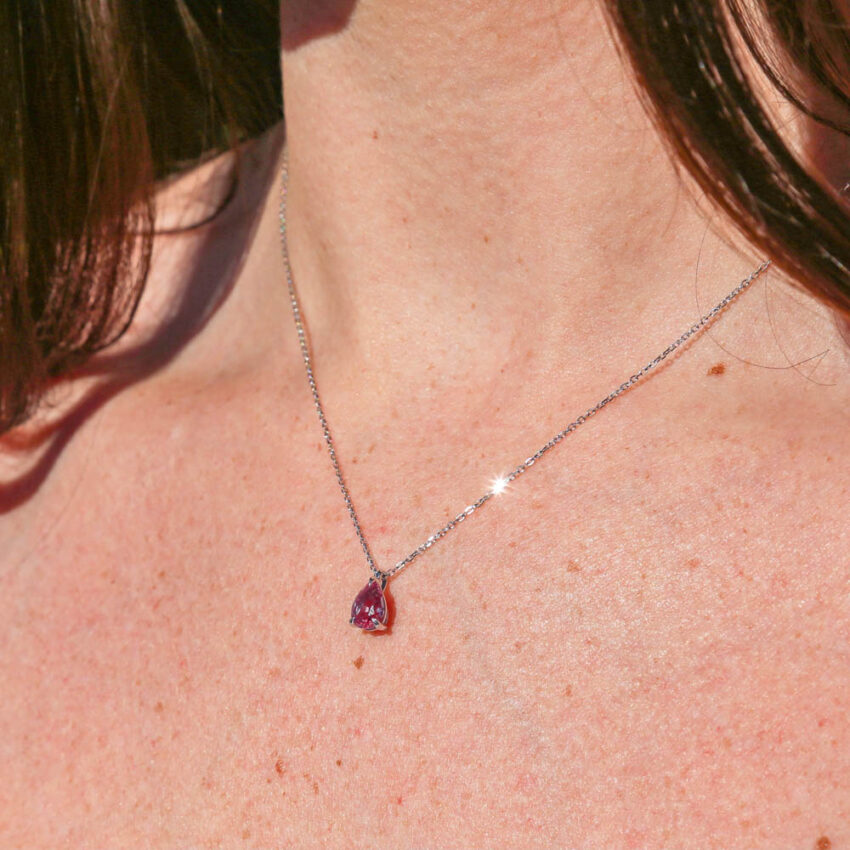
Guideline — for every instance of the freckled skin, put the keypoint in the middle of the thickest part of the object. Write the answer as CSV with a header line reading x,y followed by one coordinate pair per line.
x,y
597,659
565,672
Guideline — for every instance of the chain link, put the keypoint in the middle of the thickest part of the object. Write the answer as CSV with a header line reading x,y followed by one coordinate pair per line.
x,y
383,575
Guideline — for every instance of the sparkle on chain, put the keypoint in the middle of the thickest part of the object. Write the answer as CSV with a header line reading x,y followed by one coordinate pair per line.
x,y
499,485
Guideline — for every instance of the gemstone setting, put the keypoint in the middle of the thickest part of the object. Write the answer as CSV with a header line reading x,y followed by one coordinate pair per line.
x,y
369,609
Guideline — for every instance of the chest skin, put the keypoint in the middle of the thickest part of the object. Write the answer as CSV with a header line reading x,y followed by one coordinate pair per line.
x,y
642,644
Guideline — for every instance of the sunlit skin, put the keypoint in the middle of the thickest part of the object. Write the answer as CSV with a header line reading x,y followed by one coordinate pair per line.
x,y
641,646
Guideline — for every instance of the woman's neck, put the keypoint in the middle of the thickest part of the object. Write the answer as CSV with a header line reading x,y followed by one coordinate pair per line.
x,y
480,177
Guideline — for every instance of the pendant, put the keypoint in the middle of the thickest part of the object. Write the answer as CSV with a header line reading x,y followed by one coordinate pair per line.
x,y
369,609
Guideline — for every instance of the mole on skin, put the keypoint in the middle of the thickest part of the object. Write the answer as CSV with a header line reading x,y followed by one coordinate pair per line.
x,y
717,369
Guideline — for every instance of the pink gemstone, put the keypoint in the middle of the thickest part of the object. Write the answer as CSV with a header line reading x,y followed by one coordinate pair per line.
x,y
369,609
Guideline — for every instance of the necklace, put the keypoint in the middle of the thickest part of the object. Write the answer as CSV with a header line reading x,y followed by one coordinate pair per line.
x,y
369,610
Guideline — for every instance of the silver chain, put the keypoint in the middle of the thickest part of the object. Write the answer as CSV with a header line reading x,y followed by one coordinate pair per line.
x,y
383,575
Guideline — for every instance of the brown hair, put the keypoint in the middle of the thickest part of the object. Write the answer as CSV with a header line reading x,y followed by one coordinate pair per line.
x,y
99,101
102,99
695,61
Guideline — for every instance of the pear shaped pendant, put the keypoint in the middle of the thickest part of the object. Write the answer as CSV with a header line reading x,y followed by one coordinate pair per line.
x,y
369,609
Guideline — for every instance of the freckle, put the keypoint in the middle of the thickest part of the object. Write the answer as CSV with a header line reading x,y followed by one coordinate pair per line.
x,y
512,544
568,691
486,238
693,562
158,708
374,134
161,574
717,369
315,787
246,833
518,645
404,219
274,673
823,843
354,460
472,307
278,766
573,566
339,762
398,800
483,606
